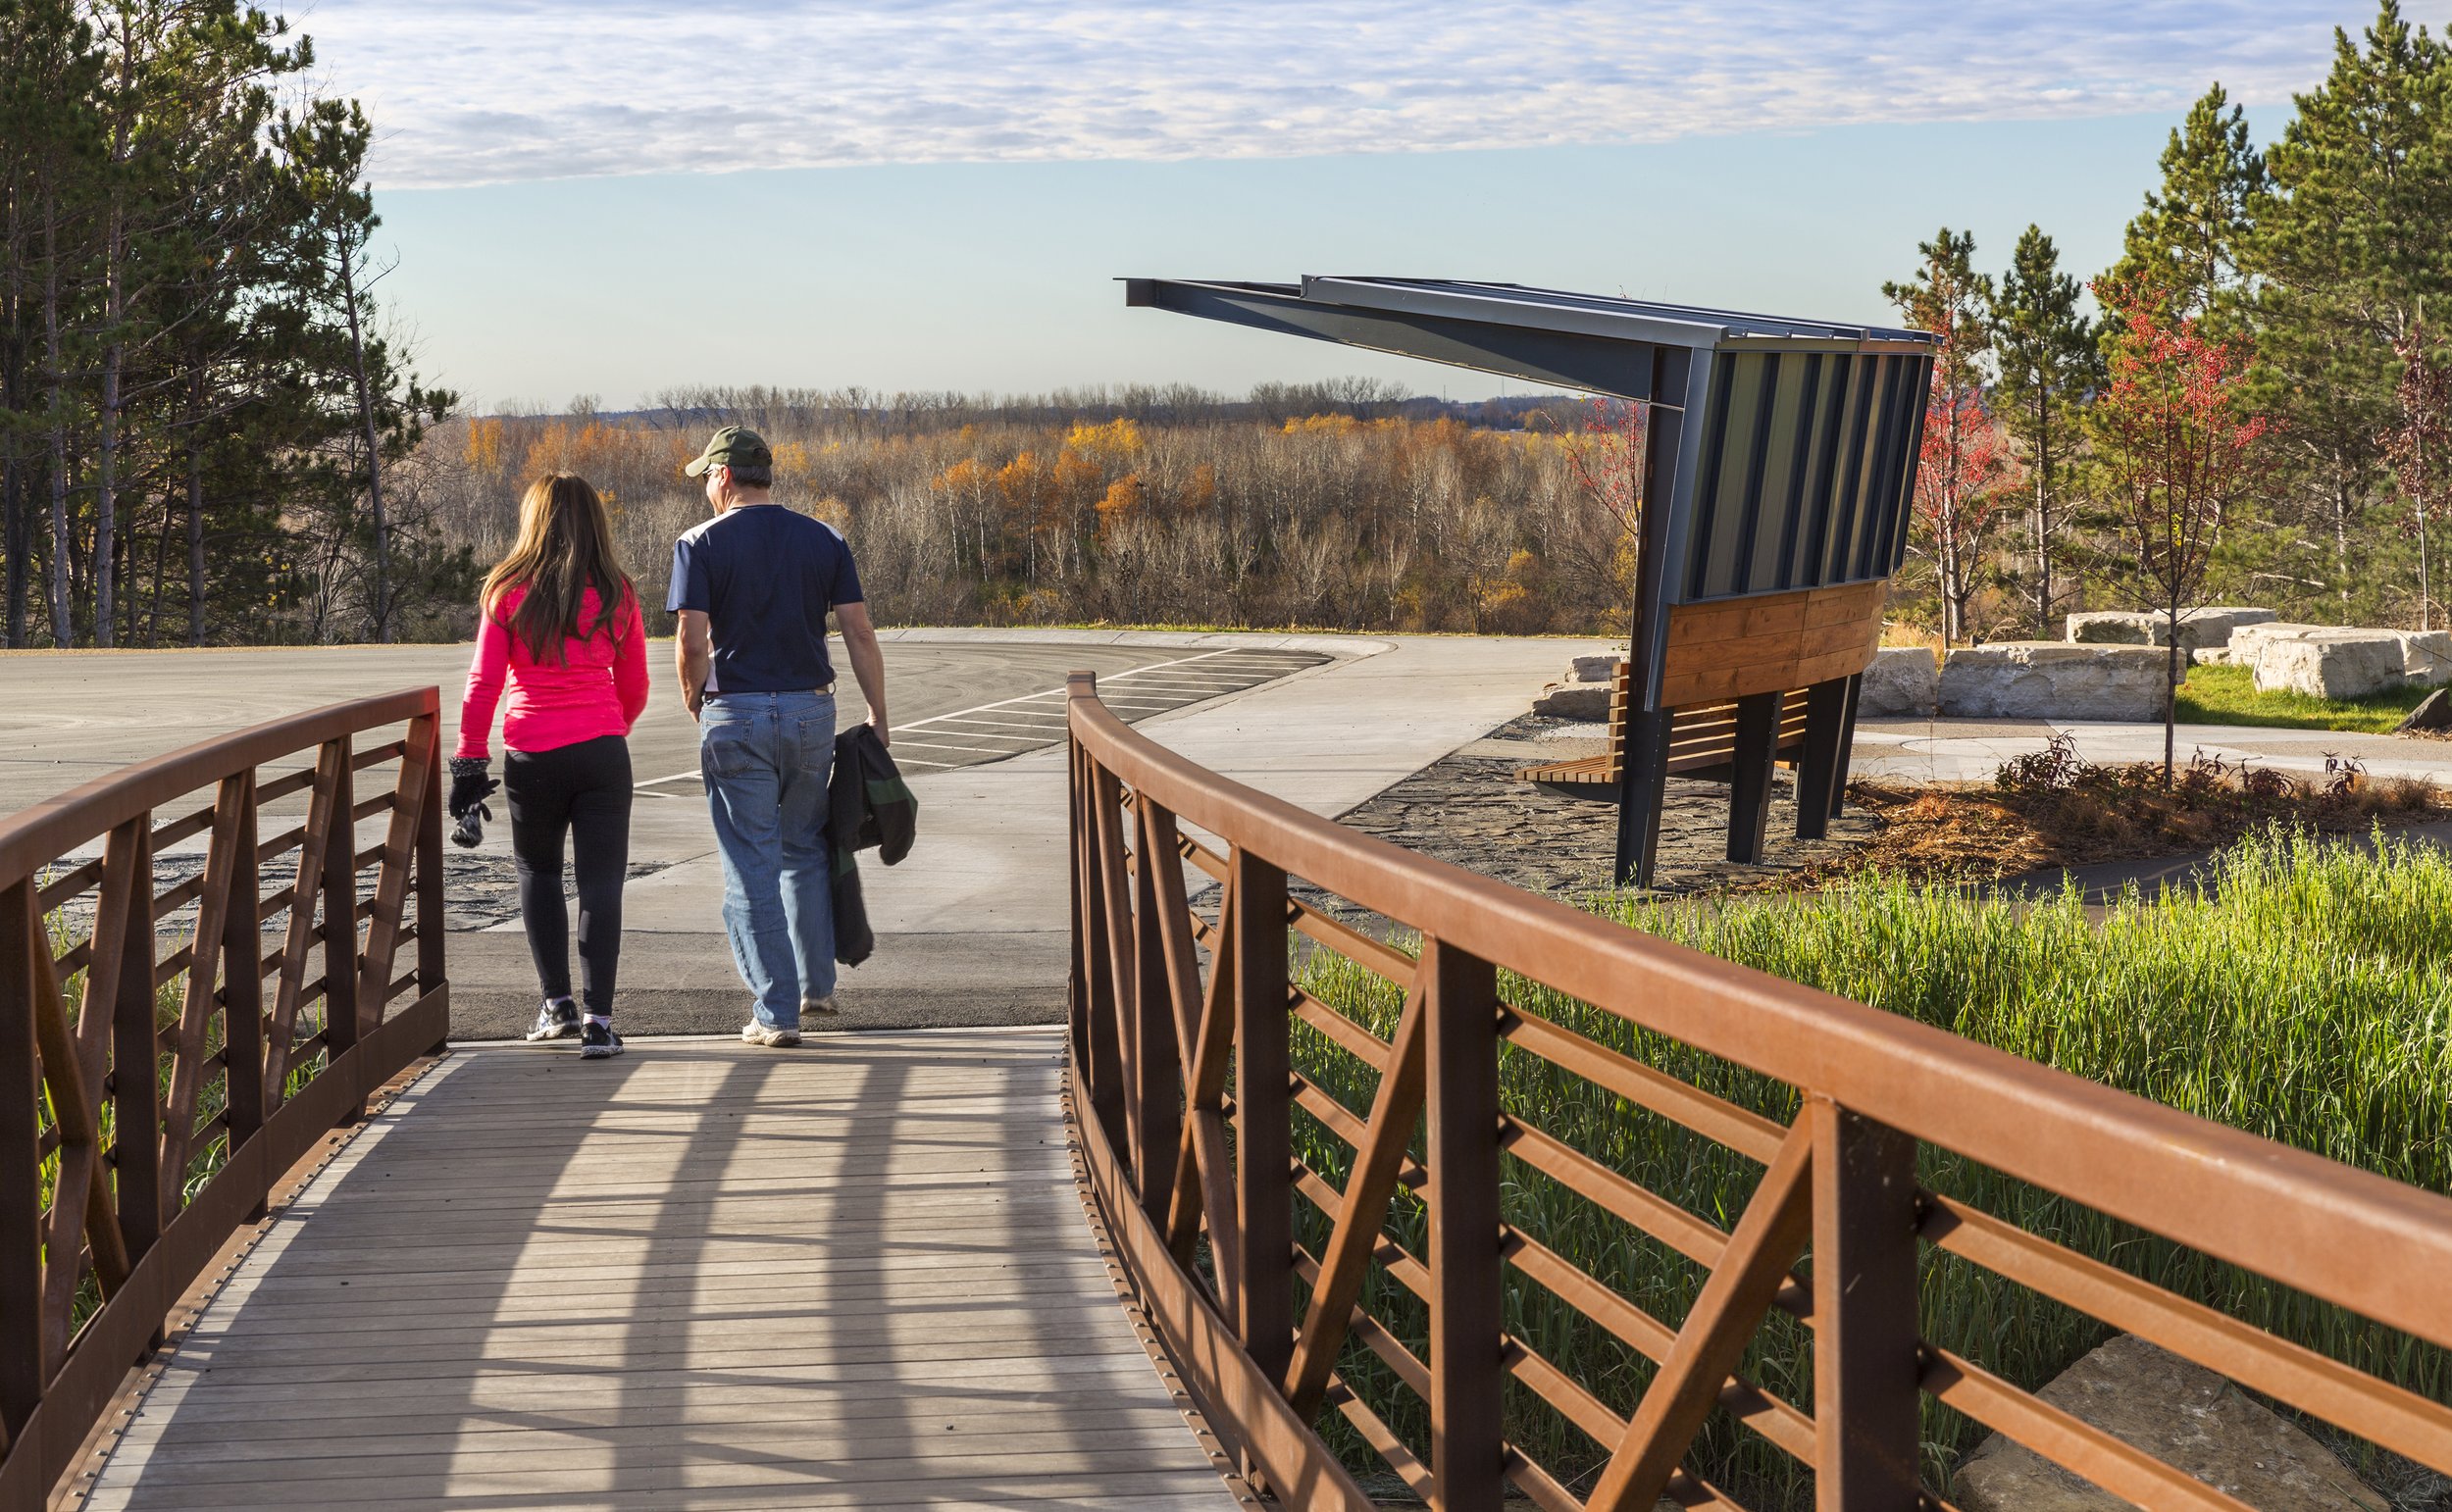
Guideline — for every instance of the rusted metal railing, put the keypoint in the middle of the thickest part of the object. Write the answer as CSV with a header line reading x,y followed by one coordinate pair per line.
x,y
1185,1091
157,1081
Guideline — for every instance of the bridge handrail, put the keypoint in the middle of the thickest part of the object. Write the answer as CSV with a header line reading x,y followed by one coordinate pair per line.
x,y
1151,1092
100,1231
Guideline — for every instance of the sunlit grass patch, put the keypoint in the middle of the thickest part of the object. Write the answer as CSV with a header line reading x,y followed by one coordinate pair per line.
x,y
2227,695
2301,995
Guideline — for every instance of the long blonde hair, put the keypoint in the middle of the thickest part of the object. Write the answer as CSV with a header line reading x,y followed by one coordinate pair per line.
x,y
565,547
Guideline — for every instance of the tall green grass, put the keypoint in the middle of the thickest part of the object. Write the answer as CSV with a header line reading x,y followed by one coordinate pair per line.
x,y
2302,994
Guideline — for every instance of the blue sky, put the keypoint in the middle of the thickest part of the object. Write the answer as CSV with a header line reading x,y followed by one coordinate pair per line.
x,y
612,197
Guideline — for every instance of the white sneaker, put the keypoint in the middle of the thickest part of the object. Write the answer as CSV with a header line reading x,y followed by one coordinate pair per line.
x,y
826,1004
558,1019
755,1032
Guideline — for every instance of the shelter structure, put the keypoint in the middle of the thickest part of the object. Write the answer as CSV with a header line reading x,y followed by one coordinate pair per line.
x,y
1778,465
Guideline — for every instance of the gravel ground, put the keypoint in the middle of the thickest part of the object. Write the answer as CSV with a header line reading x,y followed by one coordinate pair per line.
x,y
1469,809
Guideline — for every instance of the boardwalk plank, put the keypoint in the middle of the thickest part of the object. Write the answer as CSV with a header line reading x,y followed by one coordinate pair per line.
x,y
703,1276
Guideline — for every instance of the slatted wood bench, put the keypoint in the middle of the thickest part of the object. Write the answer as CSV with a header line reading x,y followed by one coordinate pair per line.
x,y
1751,685
1703,743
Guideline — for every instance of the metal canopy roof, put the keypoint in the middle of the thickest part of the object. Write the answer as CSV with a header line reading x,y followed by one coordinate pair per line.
x,y
1591,341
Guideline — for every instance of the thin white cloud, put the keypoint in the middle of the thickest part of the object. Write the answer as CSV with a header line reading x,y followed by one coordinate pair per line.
x,y
476,91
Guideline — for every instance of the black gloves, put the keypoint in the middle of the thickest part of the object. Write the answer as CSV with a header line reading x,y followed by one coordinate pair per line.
x,y
471,783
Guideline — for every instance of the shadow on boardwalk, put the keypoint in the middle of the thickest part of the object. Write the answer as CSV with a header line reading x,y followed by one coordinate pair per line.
x,y
699,1275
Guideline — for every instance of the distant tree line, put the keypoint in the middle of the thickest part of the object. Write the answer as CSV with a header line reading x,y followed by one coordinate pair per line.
x,y
206,435
200,414
1345,505
2252,405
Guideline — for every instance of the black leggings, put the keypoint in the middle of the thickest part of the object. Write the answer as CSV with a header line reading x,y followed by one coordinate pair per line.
x,y
583,789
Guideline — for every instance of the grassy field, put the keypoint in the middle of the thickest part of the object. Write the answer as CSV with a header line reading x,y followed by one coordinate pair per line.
x,y
2227,695
2305,998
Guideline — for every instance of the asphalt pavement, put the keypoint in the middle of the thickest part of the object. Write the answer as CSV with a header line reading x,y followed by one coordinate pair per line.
x,y
971,928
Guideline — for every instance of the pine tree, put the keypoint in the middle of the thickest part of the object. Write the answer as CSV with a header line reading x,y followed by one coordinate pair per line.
x,y
324,150
2189,240
2353,235
1957,495
2048,362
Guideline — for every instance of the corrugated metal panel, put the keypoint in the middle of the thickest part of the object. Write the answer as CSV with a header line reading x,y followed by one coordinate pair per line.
x,y
1806,466
1771,520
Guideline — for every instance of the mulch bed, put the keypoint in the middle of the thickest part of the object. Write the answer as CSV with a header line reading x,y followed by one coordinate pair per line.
x,y
2051,809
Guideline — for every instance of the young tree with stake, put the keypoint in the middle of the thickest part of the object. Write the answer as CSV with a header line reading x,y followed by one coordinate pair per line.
x,y
2419,449
2172,451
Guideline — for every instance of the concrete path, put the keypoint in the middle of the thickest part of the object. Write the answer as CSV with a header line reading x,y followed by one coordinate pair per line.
x,y
1972,750
701,1276
971,929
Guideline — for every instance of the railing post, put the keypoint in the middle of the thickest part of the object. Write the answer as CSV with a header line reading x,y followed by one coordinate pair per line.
x,y
135,1049
1081,684
1111,982
242,974
1157,1059
1263,1114
20,1157
341,913
433,970
1460,1008
1865,1398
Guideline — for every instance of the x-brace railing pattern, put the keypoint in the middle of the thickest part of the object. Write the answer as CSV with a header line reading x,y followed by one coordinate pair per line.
x,y
1185,1093
169,1052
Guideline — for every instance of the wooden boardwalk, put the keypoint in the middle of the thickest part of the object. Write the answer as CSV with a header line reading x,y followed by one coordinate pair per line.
x,y
857,1275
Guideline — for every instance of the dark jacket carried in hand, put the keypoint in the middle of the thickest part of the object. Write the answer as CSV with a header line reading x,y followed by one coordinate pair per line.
x,y
866,804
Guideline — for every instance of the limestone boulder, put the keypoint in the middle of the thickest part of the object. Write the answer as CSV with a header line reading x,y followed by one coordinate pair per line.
x,y
2183,1414
2111,628
1903,680
1593,669
2199,629
1574,701
2248,643
2330,663
2426,657
2217,624
2051,680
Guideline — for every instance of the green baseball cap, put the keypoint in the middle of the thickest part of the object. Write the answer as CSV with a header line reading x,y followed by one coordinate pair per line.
x,y
734,447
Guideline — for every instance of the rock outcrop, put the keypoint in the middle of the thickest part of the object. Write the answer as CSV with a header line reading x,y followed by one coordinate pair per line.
x,y
2426,657
2181,1414
2208,628
2051,679
1574,701
1585,694
2323,662
1903,680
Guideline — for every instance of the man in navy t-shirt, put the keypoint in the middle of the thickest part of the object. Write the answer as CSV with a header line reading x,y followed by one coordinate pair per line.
x,y
752,587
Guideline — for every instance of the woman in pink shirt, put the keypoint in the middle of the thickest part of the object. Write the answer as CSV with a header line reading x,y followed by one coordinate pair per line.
x,y
559,618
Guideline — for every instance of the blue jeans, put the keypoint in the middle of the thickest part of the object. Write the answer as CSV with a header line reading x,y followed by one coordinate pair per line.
x,y
766,757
